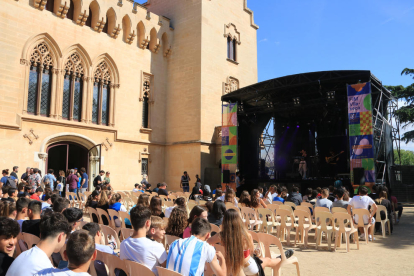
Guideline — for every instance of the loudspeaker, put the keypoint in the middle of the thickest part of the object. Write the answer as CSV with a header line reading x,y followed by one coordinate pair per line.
x,y
226,176
359,176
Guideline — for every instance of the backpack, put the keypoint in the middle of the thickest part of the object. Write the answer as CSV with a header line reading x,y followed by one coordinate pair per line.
x,y
11,182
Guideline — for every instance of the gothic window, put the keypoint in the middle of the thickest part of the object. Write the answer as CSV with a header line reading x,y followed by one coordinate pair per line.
x,y
144,166
72,88
40,78
101,95
231,48
146,89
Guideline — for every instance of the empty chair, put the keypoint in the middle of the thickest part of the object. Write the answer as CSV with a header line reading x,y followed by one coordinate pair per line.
x,y
268,220
322,218
249,217
269,240
380,209
286,224
229,205
94,216
273,207
103,213
303,208
286,207
304,225
109,232
321,209
307,204
341,222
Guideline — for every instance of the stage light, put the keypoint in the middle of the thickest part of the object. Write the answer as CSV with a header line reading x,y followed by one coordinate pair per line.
x,y
296,101
330,95
287,127
297,126
269,105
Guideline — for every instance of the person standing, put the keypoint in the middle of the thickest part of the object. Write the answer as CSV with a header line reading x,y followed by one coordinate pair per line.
x,y
144,180
185,182
85,178
72,181
26,175
50,178
98,179
35,179
14,172
107,179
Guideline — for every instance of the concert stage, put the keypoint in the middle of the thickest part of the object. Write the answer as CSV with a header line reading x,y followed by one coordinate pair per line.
x,y
308,115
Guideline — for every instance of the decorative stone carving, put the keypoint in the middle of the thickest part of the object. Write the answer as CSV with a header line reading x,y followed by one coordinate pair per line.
x,y
120,3
100,25
74,65
27,137
102,73
131,37
145,42
41,56
231,85
24,62
62,10
146,86
116,31
168,52
94,158
230,30
148,15
34,135
157,46
40,4
83,16
42,156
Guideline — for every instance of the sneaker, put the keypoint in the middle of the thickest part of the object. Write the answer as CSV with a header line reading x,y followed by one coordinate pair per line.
x,y
370,238
288,254
362,237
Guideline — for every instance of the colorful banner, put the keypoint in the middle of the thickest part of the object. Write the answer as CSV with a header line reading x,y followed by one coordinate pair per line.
x,y
229,141
360,131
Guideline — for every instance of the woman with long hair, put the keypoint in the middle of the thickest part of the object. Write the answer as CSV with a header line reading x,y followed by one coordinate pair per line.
x,y
230,196
244,199
179,202
218,195
93,199
196,212
177,222
216,215
143,200
61,182
308,195
156,207
255,200
238,245
115,203
9,210
382,200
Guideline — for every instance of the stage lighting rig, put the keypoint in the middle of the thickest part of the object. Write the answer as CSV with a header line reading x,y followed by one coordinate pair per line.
x,y
330,95
296,101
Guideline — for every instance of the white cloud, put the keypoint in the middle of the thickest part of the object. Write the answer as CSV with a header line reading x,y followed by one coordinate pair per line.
x,y
388,20
263,40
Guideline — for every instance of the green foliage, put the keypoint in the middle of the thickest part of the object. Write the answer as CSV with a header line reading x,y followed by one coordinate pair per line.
x,y
405,113
407,157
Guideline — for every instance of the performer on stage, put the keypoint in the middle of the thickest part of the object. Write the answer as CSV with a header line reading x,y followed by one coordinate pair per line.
x,y
302,168
332,161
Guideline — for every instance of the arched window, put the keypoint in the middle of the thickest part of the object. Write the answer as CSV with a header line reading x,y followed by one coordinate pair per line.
x,y
50,5
40,81
72,88
69,15
105,28
231,48
145,107
101,95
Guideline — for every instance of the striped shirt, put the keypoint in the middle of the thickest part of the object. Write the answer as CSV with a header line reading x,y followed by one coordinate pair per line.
x,y
188,256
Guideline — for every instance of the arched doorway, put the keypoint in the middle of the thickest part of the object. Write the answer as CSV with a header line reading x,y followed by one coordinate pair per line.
x,y
65,156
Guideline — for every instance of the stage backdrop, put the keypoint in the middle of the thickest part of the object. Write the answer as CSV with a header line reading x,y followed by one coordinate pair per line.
x,y
229,142
361,131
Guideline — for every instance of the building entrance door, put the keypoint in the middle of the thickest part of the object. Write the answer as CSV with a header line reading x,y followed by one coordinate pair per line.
x,y
65,156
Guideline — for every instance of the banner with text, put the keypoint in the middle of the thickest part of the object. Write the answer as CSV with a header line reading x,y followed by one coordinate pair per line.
x,y
361,131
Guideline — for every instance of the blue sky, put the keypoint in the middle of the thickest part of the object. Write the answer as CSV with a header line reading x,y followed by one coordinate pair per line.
x,y
315,35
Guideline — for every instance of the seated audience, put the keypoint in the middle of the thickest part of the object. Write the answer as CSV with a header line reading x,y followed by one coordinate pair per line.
x,y
143,200
9,210
54,229
156,207
95,231
5,191
373,193
362,201
93,199
22,205
115,203
218,188
80,252
48,201
308,195
230,196
163,189
155,190
244,200
74,217
219,194
32,226
20,189
314,197
196,212
37,194
271,193
331,196
324,201
396,206
180,202
382,200
60,204
280,195
157,229
9,229
340,202
136,189
177,222
295,196
138,247
238,244
194,252
261,191
12,192
255,200
148,188
217,213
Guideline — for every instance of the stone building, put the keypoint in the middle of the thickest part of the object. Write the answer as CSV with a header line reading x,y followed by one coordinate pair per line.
x,y
120,86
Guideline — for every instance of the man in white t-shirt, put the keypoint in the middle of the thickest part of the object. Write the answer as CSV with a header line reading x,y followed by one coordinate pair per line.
x,y
54,229
80,252
138,247
363,201
189,256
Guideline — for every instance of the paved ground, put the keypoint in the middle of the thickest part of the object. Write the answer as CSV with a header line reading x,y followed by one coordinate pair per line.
x,y
392,255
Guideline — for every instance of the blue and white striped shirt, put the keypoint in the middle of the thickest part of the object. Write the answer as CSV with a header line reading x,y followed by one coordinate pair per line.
x,y
188,256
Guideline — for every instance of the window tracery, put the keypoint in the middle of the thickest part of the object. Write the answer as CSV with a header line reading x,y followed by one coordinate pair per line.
x,y
73,88
101,94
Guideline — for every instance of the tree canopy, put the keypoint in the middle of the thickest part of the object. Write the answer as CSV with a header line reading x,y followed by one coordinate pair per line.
x,y
405,114
407,157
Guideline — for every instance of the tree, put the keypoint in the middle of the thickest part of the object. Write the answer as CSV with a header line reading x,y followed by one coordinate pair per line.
x,y
407,157
405,114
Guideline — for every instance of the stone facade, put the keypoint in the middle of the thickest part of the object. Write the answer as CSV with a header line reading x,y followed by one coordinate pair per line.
x,y
105,64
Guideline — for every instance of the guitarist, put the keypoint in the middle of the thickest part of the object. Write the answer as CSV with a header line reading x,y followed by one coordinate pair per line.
x,y
332,162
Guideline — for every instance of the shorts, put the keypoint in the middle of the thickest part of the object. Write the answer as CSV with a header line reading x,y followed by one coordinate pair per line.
x,y
250,268
365,218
